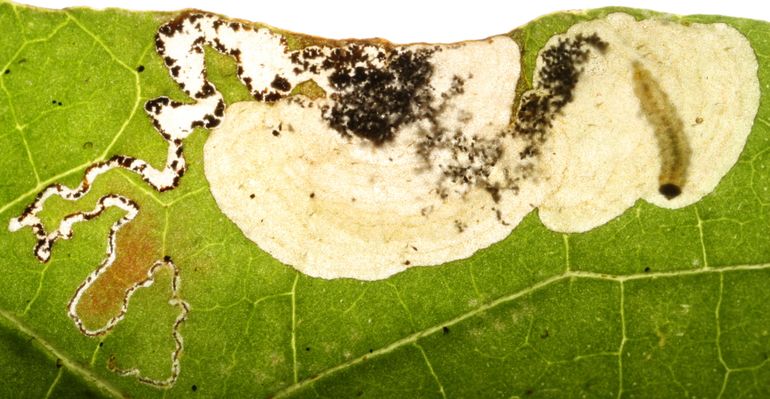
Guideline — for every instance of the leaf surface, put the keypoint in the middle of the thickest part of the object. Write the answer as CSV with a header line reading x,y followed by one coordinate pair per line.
x,y
655,303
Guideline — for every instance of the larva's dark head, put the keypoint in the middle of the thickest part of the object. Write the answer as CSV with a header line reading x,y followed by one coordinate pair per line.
x,y
670,191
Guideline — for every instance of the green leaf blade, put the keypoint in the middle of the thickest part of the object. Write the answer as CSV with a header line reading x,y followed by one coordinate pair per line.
x,y
654,303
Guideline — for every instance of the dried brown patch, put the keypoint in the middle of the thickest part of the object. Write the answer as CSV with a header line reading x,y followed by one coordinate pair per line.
x,y
138,246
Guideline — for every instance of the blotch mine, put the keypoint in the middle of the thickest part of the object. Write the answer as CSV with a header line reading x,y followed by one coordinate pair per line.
x,y
403,144
622,137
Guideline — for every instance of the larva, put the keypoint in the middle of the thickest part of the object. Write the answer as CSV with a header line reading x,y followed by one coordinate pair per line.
x,y
669,131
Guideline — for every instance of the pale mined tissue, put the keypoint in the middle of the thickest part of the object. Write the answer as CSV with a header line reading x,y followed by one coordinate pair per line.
x,y
361,159
319,195
414,156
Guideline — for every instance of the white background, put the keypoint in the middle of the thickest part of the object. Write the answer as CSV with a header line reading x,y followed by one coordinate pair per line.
x,y
403,21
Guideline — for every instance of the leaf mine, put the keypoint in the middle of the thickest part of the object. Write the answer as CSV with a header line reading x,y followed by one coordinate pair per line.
x,y
361,159
451,174
405,160
663,104
406,155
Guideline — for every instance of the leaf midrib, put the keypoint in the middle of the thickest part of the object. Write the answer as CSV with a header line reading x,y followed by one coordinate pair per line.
x,y
88,376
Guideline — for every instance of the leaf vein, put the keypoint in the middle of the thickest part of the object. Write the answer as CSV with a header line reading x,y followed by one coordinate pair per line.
x,y
88,376
414,337
294,327
54,383
430,368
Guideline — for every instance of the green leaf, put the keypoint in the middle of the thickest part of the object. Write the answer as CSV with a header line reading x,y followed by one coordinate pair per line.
x,y
656,303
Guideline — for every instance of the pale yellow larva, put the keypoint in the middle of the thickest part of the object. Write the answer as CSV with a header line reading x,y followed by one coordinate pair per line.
x,y
669,131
